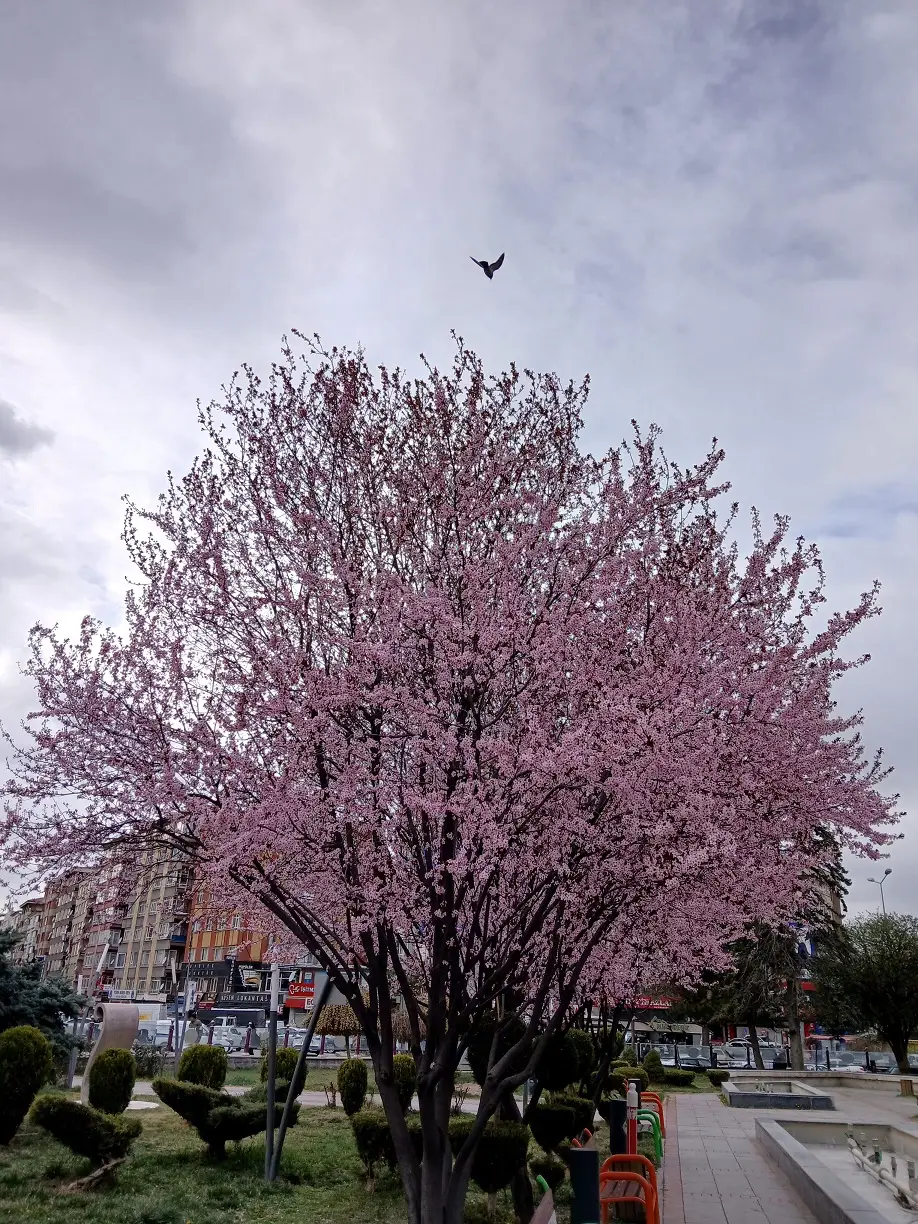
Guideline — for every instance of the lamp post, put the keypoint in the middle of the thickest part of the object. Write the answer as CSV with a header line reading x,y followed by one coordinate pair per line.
x,y
881,882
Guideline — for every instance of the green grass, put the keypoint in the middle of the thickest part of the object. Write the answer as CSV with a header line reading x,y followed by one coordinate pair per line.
x,y
167,1180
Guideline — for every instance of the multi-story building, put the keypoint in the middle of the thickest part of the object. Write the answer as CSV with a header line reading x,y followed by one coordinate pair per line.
x,y
137,943
25,921
229,966
65,922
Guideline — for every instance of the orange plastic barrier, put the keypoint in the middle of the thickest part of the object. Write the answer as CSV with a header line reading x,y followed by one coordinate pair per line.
x,y
618,1186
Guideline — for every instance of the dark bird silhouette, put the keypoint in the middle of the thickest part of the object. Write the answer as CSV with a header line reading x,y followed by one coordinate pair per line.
x,y
488,269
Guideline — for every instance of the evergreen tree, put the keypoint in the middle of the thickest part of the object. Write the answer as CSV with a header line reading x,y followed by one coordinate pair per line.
x,y
26,998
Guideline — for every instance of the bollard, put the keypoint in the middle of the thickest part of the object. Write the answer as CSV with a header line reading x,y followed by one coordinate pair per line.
x,y
583,1164
632,1105
169,1046
248,1041
286,1037
210,1034
617,1117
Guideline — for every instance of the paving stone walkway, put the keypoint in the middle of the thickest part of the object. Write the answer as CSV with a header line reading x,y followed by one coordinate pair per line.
x,y
716,1172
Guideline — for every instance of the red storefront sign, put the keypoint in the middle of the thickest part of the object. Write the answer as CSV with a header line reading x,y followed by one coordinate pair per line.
x,y
648,1003
300,995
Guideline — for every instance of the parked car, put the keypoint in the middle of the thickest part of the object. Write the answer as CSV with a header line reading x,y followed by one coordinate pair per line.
x,y
739,1053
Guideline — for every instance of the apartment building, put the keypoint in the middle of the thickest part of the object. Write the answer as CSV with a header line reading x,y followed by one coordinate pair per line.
x,y
136,946
65,923
25,921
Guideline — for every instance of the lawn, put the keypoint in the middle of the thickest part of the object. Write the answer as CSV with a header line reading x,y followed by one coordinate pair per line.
x,y
168,1181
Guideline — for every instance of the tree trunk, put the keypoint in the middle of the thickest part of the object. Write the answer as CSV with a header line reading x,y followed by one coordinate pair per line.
x,y
792,1007
900,1054
752,1022
521,1186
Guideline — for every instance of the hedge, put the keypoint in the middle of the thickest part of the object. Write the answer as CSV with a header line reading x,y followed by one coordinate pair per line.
x,y
86,1131
678,1077
624,1073
26,1062
111,1081
717,1076
205,1065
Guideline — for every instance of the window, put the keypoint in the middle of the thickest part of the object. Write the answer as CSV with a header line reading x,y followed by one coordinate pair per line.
x,y
237,921
162,956
119,960
144,959
134,959
196,926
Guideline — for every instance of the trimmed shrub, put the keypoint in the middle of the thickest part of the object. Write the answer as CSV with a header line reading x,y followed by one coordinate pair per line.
x,y
582,1108
203,1064
560,1064
373,1140
482,1038
284,1068
111,1081
628,1055
551,1170
149,1060
86,1131
678,1077
624,1074
551,1125
406,1078
654,1067
500,1154
717,1076
26,1062
352,1084
586,1055
219,1119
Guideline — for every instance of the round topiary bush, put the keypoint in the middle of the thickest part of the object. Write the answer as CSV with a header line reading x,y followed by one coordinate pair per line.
x,y
111,1081
482,1038
26,1062
677,1077
654,1067
718,1077
352,1085
626,1073
552,1171
551,1125
583,1109
628,1055
406,1078
284,1068
203,1064
583,1043
501,1152
560,1063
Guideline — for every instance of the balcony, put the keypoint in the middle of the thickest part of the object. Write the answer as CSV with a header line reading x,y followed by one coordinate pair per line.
x,y
179,936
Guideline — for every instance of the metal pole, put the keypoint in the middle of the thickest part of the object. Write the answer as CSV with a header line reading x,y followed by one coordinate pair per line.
x,y
317,1006
272,1063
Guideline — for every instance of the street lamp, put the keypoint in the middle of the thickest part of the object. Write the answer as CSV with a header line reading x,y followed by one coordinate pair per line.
x,y
881,882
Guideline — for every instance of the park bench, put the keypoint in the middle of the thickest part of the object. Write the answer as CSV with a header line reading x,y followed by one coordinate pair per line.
x,y
628,1187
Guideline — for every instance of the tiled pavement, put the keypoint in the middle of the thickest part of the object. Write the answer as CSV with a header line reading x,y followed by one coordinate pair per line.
x,y
716,1173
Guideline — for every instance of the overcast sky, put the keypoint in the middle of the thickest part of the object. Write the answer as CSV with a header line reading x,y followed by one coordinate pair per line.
x,y
710,207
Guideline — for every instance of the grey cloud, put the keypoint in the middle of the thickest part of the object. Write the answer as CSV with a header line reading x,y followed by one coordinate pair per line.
x,y
57,205
19,437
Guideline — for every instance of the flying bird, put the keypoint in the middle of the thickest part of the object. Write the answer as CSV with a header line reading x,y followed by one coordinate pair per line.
x,y
488,269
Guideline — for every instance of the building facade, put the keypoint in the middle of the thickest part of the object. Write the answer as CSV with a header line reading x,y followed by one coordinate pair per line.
x,y
136,948
25,921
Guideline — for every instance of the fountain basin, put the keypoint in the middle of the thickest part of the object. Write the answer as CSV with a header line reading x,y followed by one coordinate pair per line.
x,y
814,1155
774,1094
